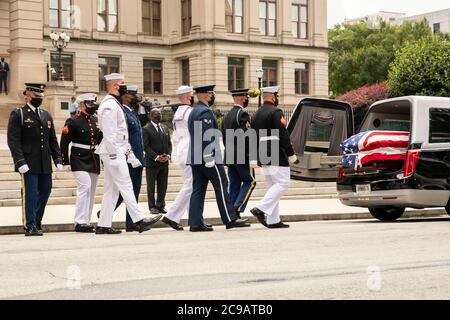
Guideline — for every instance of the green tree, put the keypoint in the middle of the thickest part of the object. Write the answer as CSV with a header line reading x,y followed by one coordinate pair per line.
x,y
422,68
361,55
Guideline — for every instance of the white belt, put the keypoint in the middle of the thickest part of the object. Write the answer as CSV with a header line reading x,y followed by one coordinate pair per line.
x,y
84,146
269,138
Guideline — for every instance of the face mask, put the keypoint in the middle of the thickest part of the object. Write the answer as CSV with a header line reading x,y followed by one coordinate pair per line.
x,y
211,102
192,101
36,102
246,102
277,102
91,110
134,103
3,60
122,90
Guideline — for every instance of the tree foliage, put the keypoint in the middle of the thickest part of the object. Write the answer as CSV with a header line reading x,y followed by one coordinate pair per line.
x,y
361,55
422,68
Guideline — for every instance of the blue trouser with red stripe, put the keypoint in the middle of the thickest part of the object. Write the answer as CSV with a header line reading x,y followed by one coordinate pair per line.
x,y
36,189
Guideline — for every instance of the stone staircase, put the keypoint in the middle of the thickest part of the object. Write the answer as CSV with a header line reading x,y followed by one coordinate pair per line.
x,y
64,186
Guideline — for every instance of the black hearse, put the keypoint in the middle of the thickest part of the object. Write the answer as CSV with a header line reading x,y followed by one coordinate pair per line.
x,y
386,188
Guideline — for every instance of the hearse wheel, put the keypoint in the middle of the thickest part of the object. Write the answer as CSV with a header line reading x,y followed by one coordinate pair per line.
x,y
387,214
447,208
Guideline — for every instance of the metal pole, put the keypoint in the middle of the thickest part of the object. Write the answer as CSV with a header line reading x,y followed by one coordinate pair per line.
x,y
259,87
61,72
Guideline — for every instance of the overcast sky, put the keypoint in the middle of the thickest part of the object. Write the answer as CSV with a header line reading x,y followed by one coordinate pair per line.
x,y
338,10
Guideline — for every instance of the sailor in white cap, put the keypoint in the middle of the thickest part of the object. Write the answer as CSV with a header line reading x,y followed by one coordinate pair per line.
x,y
270,125
180,151
115,152
82,131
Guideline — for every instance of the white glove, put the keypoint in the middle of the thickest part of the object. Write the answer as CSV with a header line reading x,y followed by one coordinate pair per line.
x,y
131,158
136,163
254,164
293,159
59,167
210,164
114,162
24,169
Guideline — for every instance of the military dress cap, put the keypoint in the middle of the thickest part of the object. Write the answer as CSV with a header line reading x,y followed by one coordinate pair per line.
x,y
184,89
205,89
114,76
272,90
132,90
87,97
37,88
240,92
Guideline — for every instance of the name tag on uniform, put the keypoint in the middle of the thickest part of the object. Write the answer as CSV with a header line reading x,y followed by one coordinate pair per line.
x,y
29,121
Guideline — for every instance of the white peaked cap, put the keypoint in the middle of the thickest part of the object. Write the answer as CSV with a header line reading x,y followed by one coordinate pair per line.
x,y
273,90
87,97
114,76
184,89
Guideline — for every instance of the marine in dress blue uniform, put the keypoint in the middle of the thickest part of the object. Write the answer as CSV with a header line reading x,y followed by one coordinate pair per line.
x,y
130,103
207,165
241,175
33,144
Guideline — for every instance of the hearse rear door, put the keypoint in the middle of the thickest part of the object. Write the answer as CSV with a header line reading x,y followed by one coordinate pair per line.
x,y
317,128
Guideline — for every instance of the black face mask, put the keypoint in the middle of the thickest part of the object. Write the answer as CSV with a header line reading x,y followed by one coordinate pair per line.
x,y
122,90
157,118
192,101
211,102
91,110
277,102
134,103
246,102
36,102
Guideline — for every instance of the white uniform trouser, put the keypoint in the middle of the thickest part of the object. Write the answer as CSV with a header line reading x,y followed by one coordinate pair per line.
x,y
117,181
181,204
277,183
87,184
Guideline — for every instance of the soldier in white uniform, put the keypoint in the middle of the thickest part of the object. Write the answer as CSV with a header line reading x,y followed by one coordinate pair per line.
x,y
115,152
180,152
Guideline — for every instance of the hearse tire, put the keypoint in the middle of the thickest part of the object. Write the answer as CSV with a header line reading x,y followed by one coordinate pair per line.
x,y
387,214
447,208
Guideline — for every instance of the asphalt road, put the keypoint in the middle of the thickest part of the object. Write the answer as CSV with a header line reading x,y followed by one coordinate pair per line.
x,y
408,259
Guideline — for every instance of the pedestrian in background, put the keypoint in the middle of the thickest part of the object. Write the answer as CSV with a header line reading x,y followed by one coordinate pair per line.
x,y
4,71
73,106
158,148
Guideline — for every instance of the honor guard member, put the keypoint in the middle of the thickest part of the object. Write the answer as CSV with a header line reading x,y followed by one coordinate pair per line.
x,y
33,143
130,103
180,152
277,170
207,167
83,132
240,174
115,152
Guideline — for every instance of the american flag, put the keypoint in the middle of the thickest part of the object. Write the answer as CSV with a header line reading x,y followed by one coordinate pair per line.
x,y
370,146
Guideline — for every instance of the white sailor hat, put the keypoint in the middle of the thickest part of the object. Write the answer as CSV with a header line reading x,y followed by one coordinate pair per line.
x,y
87,97
132,90
272,90
114,76
184,89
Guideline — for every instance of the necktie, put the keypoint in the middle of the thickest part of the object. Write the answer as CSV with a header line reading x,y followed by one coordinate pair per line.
x,y
159,130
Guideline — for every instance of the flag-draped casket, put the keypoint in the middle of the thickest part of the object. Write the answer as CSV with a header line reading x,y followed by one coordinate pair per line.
x,y
374,146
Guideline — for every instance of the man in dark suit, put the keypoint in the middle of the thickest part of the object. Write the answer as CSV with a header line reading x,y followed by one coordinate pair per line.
x,y
4,70
33,144
158,147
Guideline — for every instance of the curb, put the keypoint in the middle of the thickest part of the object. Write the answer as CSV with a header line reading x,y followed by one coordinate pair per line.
x,y
69,227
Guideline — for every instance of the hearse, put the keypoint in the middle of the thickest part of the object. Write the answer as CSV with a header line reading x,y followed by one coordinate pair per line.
x,y
386,188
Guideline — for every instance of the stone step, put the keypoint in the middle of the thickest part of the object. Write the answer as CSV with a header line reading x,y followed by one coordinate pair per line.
x,y
98,199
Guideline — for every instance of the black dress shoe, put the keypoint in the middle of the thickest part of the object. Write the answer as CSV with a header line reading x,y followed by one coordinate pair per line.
x,y
260,216
172,224
208,225
162,210
279,225
33,233
203,228
98,214
131,228
39,226
102,230
239,223
84,228
154,211
146,224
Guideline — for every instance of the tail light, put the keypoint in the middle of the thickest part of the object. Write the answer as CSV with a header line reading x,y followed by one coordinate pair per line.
x,y
341,173
411,162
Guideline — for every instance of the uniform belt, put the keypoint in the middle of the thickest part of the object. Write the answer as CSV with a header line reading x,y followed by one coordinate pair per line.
x,y
269,138
84,146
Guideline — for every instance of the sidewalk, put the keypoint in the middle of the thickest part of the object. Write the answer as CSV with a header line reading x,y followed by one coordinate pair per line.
x,y
60,218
